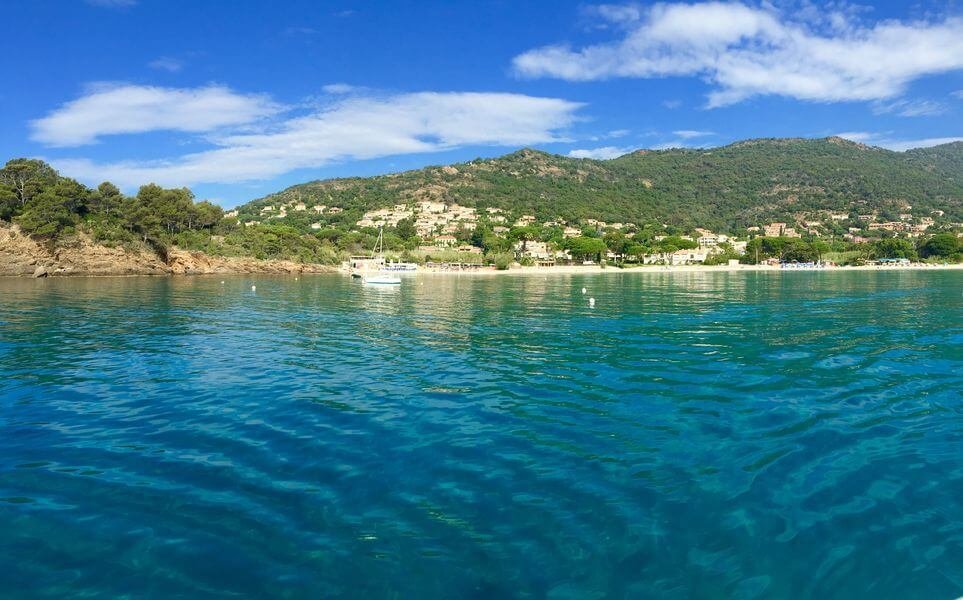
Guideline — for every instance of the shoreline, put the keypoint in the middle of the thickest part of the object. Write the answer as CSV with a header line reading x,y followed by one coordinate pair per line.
x,y
312,269
598,270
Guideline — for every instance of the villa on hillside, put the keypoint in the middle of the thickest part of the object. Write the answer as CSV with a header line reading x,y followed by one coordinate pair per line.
x,y
780,230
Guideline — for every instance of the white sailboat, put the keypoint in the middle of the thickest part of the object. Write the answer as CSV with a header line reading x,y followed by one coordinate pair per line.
x,y
380,278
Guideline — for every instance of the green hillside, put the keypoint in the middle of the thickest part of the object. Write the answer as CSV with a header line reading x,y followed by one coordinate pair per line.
x,y
840,193
724,189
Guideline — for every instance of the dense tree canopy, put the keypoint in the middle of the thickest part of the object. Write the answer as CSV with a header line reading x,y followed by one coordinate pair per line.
x,y
586,248
943,245
724,189
893,248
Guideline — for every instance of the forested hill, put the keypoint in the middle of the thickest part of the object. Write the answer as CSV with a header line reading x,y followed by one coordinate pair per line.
x,y
725,188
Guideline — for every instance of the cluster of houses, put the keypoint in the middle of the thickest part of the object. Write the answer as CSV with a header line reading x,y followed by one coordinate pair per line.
x,y
437,223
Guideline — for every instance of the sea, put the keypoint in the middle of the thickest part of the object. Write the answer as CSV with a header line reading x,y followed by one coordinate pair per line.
x,y
685,435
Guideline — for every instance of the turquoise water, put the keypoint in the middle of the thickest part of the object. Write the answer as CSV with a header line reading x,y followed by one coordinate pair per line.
x,y
740,435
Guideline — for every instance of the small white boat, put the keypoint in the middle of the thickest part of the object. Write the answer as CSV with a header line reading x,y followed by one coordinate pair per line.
x,y
381,279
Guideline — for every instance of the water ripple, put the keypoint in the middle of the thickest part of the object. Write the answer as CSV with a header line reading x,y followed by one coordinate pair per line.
x,y
744,435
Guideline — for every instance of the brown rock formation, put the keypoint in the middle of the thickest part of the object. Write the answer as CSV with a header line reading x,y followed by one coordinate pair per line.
x,y
25,256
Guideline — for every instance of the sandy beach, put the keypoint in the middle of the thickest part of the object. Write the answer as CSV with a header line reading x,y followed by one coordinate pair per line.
x,y
596,269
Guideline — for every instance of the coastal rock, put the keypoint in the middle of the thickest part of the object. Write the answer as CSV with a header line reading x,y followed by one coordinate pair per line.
x,y
40,272
20,255
197,263
81,255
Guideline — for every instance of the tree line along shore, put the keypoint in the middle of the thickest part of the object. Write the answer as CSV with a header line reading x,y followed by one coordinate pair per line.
x,y
56,212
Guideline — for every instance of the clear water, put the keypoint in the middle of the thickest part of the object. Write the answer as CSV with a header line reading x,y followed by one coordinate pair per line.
x,y
743,435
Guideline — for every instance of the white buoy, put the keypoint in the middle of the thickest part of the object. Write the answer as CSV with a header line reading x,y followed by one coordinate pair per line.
x,y
592,302
295,278
583,290
222,283
253,288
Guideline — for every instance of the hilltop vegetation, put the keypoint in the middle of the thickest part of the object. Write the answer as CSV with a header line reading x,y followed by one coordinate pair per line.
x,y
724,189
50,207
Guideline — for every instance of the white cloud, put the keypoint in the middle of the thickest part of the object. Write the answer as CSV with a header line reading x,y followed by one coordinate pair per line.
x,y
958,94
603,153
616,13
119,109
688,134
745,51
609,135
352,128
858,136
166,63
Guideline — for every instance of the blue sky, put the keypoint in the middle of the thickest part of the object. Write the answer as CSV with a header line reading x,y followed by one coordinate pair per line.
x,y
240,99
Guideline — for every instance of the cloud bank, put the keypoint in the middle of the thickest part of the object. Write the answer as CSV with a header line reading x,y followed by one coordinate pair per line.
x,y
352,127
124,109
746,50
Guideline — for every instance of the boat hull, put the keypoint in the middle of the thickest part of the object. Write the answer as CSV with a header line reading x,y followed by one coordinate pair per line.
x,y
381,280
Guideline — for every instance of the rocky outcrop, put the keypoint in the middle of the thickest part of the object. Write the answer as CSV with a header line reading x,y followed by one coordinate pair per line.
x,y
25,256
183,262
83,256
18,255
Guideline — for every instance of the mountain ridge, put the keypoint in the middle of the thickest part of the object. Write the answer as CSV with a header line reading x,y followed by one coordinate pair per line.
x,y
726,188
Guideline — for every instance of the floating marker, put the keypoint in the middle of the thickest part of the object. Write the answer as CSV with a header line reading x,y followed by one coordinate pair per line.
x,y
592,302
222,283
253,288
583,290
295,278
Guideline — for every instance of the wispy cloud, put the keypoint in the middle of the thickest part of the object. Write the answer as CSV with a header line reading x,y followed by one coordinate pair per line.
x,y
352,128
910,108
903,145
618,14
858,136
688,134
339,88
112,109
885,140
603,153
609,135
958,94
166,63
752,50
683,138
